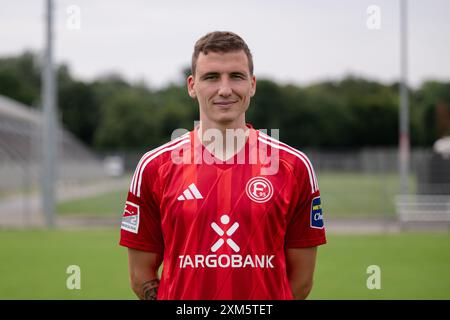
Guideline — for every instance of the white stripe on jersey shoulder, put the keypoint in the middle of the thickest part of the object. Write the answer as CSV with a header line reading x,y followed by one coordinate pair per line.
x,y
282,146
149,156
144,157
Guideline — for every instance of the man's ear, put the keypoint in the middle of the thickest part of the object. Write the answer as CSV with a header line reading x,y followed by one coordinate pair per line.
x,y
253,89
190,86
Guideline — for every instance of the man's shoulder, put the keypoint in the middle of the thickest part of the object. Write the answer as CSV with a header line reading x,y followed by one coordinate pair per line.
x,y
295,159
162,154
152,160
286,152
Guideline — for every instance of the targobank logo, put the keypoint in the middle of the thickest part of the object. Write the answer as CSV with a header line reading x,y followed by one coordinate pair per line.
x,y
225,260
225,220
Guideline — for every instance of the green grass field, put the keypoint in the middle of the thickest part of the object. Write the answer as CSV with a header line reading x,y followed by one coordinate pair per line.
x,y
33,265
356,194
343,194
110,203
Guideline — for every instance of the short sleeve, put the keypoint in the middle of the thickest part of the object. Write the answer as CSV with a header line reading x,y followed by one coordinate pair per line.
x,y
306,225
141,220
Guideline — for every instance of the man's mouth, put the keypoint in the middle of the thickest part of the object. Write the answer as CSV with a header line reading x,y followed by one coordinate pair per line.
x,y
224,103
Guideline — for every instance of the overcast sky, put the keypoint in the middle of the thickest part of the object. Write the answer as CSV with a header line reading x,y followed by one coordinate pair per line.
x,y
299,41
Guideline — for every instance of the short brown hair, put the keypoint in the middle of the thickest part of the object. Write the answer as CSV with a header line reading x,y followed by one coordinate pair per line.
x,y
220,41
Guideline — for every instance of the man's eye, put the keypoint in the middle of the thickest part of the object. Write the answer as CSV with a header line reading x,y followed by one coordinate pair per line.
x,y
210,77
237,76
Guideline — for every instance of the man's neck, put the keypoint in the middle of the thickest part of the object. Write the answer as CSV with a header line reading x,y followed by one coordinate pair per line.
x,y
223,141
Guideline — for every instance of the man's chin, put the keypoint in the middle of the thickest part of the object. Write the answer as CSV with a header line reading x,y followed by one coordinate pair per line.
x,y
225,120
224,117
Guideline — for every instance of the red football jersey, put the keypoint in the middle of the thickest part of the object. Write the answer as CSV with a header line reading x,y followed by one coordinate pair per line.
x,y
223,227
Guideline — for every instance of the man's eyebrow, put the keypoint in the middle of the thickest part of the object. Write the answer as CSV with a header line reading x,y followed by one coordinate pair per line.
x,y
239,73
215,73
209,74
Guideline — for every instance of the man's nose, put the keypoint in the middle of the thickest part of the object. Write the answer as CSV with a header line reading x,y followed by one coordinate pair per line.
x,y
225,88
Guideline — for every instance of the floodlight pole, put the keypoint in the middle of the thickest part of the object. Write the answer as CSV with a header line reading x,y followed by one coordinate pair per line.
x,y
49,124
404,140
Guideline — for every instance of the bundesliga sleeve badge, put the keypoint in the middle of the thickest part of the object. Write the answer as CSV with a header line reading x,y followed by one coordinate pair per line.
x,y
130,218
316,214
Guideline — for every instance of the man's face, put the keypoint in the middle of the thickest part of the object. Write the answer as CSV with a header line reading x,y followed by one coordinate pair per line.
x,y
223,86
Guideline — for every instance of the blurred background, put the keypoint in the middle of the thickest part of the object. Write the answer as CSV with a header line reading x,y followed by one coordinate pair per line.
x,y
333,77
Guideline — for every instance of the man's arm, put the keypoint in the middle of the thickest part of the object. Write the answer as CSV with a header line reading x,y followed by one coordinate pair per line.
x,y
143,268
300,263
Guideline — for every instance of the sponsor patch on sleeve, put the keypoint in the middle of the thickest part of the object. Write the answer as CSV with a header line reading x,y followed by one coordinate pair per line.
x,y
130,218
316,214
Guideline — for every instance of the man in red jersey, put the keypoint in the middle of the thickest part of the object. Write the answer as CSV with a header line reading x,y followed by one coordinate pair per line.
x,y
229,218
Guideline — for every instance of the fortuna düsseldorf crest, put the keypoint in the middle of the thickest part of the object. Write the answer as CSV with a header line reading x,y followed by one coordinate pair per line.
x,y
259,189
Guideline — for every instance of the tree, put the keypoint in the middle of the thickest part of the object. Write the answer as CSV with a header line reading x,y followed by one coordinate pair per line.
x,y
129,121
20,78
111,113
432,109
79,109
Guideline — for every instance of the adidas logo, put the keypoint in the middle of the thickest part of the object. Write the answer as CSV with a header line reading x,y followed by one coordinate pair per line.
x,y
190,193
